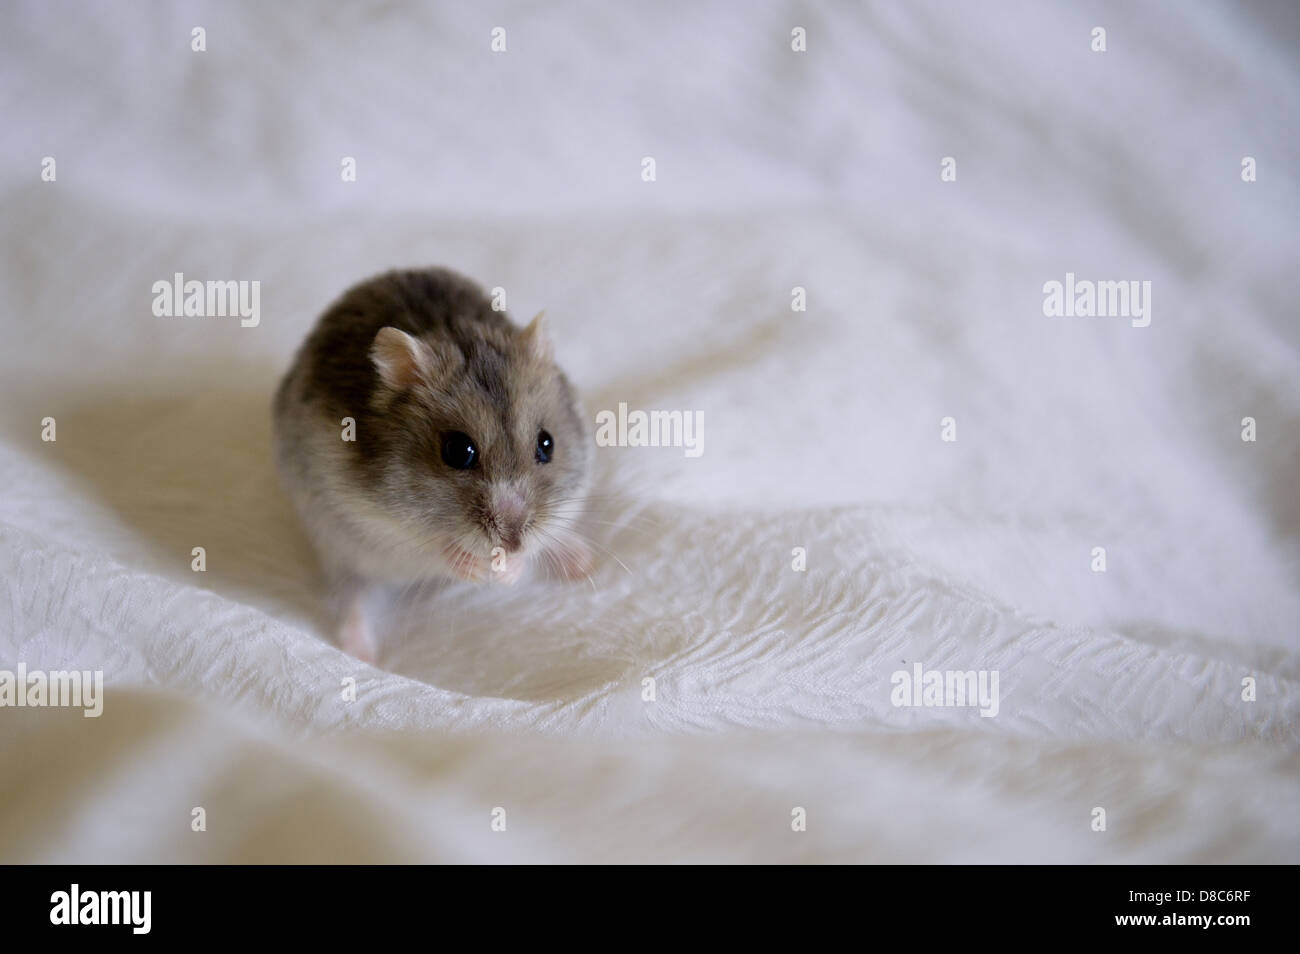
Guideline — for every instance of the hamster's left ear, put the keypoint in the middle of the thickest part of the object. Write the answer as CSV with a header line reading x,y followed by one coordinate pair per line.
x,y
398,358
536,340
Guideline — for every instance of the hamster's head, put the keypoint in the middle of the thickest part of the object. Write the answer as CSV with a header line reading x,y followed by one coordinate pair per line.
x,y
482,460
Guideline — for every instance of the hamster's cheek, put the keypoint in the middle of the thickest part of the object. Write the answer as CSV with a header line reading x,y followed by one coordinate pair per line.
x,y
464,565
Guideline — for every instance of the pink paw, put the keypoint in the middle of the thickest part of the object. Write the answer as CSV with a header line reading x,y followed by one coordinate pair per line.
x,y
507,568
355,635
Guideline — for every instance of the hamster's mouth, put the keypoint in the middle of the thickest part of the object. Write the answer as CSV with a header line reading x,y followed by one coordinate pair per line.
x,y
500,567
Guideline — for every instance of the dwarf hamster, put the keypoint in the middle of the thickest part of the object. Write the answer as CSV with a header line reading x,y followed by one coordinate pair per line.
x,y
422,435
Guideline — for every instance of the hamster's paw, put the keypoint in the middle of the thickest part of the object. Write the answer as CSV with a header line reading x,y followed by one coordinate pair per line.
x,y
355,634
507,569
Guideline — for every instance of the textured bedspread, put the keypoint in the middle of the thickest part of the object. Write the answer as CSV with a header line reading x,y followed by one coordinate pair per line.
x,y
728,675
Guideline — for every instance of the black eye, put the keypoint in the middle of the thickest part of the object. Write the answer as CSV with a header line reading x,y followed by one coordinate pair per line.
x,y
545,447
458,450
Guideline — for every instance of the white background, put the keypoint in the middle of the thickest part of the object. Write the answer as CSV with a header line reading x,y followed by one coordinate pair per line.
x,y
775,169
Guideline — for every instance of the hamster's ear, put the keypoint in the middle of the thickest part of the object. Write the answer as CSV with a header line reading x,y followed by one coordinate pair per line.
x,y
398,358
535,339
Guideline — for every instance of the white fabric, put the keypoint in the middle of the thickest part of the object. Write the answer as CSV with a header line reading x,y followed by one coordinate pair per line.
x,y
775,169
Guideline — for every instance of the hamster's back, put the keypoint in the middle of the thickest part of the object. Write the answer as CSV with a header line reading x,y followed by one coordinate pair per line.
x,y
333,370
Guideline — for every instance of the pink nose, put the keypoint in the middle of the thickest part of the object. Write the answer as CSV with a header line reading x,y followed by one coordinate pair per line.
x,y
509,513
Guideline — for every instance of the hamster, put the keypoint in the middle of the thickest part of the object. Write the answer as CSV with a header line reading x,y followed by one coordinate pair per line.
x,y
421,436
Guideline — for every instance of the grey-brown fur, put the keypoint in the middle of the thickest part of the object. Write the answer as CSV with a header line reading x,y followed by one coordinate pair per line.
x,y
386,507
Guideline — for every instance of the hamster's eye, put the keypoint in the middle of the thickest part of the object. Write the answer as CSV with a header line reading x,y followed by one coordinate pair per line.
x,y
458,450
545,447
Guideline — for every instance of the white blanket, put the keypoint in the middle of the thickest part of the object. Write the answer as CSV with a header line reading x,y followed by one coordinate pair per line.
x,y
1164,691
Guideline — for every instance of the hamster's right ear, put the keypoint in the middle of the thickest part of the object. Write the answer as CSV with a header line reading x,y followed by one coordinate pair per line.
x,y
399,358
